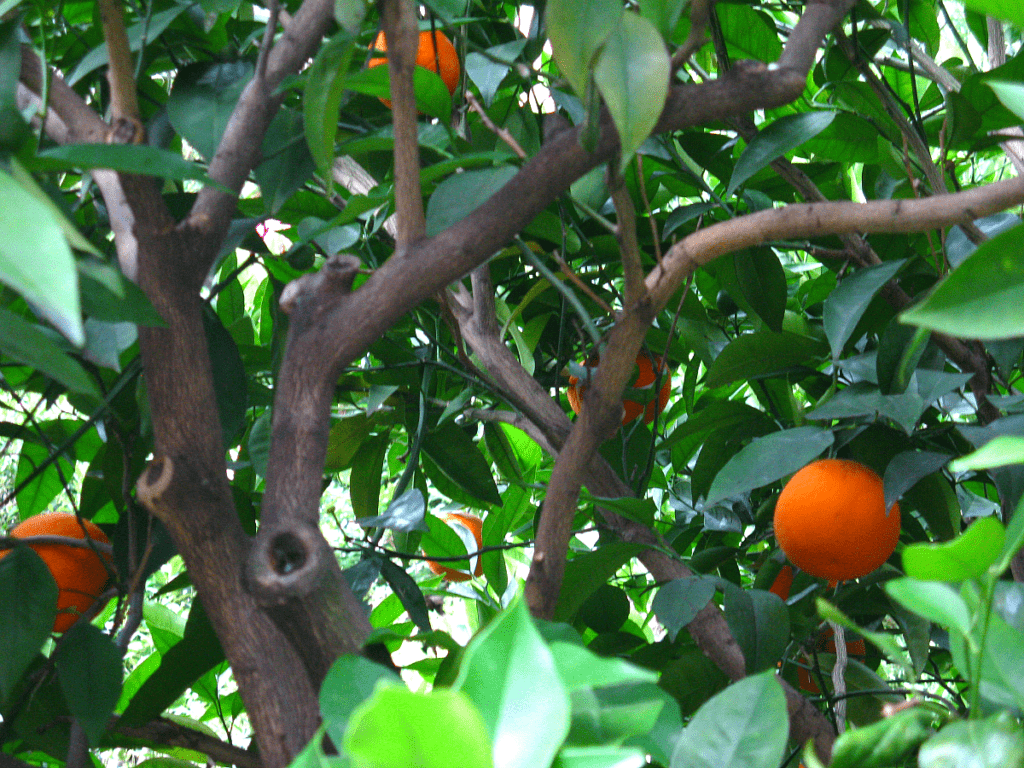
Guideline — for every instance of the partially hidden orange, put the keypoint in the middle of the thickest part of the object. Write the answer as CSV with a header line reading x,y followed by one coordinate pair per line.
x,y
475,526
441,58
646,376
831,520
80,574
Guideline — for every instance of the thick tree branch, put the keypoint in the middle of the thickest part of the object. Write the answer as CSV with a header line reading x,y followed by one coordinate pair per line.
x,y
124,105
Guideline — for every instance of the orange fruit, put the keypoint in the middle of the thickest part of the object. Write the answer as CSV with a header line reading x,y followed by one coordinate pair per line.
x,y
644,380
783,581
80,574
830,520
441,58
475,526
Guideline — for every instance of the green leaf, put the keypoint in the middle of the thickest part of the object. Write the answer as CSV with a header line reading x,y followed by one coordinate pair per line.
x,y
365,478
28,603
125,158
197,653
459,195
890,741
588,571
782,136
982,297
89,668
748,34
997,452
763,281
406,513
350,14
1014,537
28,344
847,303
510,675
35,259
966,557
760,623
321,101
934,600
458,457
600,757
345,439
397,728
994,742
578,29
488,70
408,592
349,682
580,668
760,354
678,602
905,469
632,73
203,99
766,459
744,725
1009,10
432,95
1011,94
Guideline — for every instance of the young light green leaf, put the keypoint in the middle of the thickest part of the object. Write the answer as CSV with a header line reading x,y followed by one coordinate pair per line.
x,y
997,452
1011,94
744,725
509,674
321,100
981,298
994,742
784,135
578,29
966,557
847,303
934,600
632,73
35,259
1008,10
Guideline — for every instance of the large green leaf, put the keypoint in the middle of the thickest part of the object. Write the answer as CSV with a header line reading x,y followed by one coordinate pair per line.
x,y
35,259
763,353
89,668
679,601
510,675
983,296
365,479
782,136
994,742
966,557
203,99
1009,10
28,603
744,725
847,303
325,85
459,458
349,682
763,281
459,195
125,158
632,73
587,571
578,29
760,623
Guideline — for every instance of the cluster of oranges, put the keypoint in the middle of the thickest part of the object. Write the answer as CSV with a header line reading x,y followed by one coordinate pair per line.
x,y
79,572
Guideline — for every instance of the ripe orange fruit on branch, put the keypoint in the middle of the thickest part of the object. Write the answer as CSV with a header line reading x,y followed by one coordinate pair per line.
x,y
440,58
80,574
475,526
645,379
831,521
783,582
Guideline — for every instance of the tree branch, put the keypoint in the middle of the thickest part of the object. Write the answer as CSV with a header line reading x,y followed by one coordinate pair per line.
x,y
123,102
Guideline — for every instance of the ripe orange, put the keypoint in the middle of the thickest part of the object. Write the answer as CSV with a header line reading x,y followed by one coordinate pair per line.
x,y
830,520
475,526
441,58
644,380
783,581
79,573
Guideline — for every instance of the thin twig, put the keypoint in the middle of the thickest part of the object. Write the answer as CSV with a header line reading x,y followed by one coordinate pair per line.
x,y
501,133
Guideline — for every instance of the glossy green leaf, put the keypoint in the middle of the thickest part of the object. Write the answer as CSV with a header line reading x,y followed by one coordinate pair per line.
x,y
488,71
409,592
888,742
760,623
89,669
458,457
432,95
125,158
406,513
29,344
345,439
600,757
847,303
762,353
994,742
202,100
966,557
934,600
350,681
397,728
28,601
748,34
35,259
325,86
766,459
586,572
1011,94
763,281
744,725
905,470
459,195
510,675
680,600
782,136
365,478
982,297
632,73
580,668
148,29
578,29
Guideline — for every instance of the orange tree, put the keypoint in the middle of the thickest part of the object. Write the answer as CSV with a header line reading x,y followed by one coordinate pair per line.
x,y
266,333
